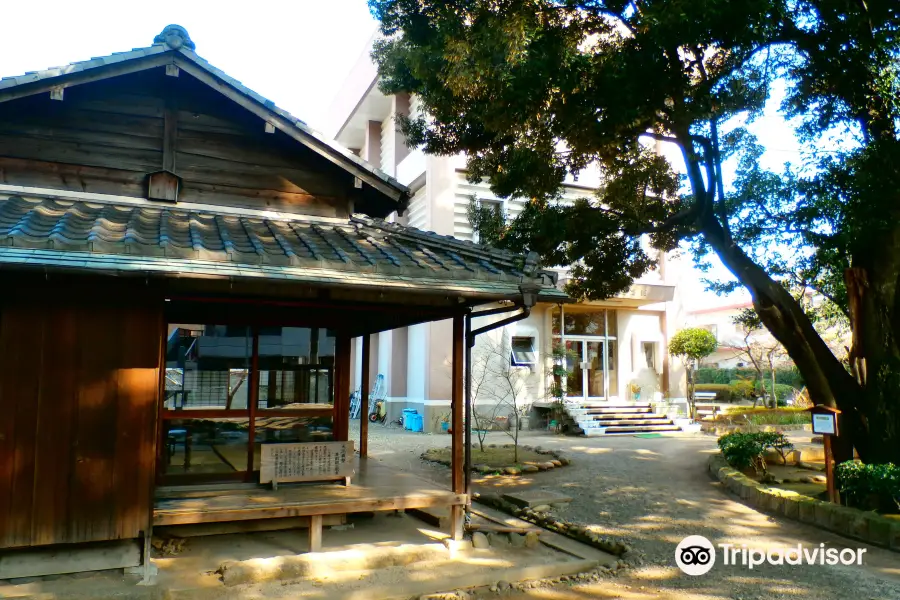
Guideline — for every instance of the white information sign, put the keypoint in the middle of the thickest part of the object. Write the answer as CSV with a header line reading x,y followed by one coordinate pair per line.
x,y
313,461
823,423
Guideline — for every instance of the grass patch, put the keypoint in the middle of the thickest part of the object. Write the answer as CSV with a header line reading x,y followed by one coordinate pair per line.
x,y
493,457
765,416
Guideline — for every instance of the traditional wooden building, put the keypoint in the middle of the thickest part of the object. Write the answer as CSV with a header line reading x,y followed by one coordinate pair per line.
x,y
183,267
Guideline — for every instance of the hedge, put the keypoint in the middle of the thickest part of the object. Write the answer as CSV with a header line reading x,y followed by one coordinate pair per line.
x,y
789,376
723,391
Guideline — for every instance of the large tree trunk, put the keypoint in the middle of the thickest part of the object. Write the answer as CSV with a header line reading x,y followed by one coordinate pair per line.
x,y
826,378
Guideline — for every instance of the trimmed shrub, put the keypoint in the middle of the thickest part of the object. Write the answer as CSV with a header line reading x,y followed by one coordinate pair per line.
x,y
742,388
768,416
787,376
870,487
723,392
747,450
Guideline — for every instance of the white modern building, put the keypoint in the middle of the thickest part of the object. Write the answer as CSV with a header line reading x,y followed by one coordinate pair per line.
x,y
617,347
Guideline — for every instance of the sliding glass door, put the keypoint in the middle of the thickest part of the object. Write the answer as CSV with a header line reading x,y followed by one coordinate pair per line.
x,y
229,388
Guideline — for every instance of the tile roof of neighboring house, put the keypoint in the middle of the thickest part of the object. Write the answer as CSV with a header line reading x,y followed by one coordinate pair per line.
x,y
147,237
174,46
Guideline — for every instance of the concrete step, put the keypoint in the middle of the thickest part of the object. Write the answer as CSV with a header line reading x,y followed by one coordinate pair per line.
x,y
631,422
622,416
602,432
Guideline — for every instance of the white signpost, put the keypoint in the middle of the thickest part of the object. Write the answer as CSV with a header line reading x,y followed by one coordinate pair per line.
x,y
825,423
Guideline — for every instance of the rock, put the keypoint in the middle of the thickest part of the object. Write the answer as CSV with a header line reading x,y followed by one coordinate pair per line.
x,y
503,585
512,470
516,540
493,588
498,540
546,466
556,462
480,541
820,479
532,540
530,469
565,461
807,479
543,508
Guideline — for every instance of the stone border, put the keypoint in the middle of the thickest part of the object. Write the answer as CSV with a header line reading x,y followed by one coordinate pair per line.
x,y
576,532
557,460
850,522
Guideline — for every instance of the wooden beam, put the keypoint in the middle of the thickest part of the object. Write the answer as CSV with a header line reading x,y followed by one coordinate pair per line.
x,y
364,397
172,70
456,406
85,76
170,135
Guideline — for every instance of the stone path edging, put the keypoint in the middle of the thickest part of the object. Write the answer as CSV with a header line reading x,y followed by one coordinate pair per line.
x,y
543,519
850,522
555,461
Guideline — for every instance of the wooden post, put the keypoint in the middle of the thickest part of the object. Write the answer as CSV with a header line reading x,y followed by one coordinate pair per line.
x,y
829,471
456,422
315,533
364,397
252,402
341,414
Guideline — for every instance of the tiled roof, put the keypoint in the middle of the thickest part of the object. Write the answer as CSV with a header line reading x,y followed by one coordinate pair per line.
x,y
147,237
185,51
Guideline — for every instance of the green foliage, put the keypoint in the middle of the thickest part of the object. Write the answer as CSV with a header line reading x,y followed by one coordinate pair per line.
x,y
790,377
859,483
723,392
747,450
532,92
489,221
742,388
758,417
693,343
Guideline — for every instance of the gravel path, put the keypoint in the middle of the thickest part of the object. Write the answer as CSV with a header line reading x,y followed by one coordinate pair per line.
x,y
653,492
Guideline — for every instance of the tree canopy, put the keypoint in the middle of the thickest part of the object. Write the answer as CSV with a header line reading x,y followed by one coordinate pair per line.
x,y
535,91
693,344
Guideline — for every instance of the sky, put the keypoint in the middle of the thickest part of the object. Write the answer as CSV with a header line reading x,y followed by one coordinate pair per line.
x,y
296,53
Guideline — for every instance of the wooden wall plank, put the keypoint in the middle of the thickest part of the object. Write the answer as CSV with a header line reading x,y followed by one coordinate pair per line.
x,y
136,394
92,499
456,407
55,432
22,383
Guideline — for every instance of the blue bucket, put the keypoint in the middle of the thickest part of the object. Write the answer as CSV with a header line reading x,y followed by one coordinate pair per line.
x,y
408,415
418,423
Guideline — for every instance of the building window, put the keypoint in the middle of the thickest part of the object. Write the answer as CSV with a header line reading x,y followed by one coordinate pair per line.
x,y
491,216
523,354
713,329
649,351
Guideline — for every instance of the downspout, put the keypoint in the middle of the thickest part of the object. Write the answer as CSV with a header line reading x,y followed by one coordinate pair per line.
x,y
471,334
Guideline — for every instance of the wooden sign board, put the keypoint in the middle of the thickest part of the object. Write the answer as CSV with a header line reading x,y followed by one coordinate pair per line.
x,y
313,461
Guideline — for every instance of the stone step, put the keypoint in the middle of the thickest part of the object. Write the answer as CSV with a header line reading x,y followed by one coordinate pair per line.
x,y
630,431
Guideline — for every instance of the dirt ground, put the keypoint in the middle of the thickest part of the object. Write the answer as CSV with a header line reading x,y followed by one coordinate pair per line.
x,y
653,492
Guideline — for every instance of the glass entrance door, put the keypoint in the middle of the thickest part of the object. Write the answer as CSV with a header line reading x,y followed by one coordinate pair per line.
x,y
591,371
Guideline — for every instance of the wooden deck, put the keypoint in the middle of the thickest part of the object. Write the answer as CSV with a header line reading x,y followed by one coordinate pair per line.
x,y
375,487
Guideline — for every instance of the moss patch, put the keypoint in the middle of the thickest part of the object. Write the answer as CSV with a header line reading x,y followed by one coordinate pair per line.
x,y
498,457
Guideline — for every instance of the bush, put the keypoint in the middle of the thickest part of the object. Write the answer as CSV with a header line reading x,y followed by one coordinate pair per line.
x,y
747,450
869,486
786,376
742,388
768,416
723,392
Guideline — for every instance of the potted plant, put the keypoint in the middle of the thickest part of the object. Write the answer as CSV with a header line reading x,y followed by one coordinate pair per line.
x,y
445,422
635,390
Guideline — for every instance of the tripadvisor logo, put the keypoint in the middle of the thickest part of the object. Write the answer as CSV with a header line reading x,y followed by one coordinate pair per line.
x,y
696,555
